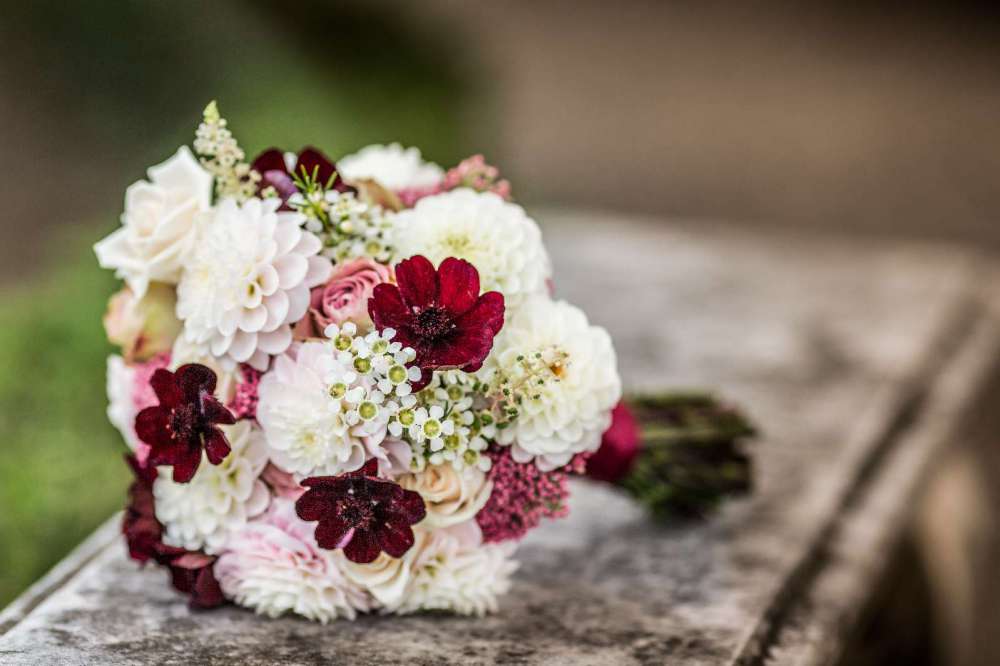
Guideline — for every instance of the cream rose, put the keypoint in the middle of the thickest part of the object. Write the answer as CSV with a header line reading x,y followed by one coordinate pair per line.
x,y
158,225
451,496
143,327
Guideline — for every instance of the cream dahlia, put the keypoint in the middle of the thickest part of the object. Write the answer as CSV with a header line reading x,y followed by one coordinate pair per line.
x,y
159,223
497,237
274,566
218,501
393,166
561,376
446,569
451,496
248,280
309,410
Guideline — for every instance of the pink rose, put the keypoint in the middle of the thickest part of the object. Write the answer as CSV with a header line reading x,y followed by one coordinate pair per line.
x,y
344,298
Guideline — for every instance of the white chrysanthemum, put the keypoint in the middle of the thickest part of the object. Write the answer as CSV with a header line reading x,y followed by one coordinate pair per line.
x,y
322,408
121,406
159,223
562,378
248,279
274,566
393,166
218,501
446,569
451,496
495,236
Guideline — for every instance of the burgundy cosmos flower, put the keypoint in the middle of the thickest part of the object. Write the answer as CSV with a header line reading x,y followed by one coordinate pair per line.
x,y
361,513
191,573
275,173
439,313
619,447
185,420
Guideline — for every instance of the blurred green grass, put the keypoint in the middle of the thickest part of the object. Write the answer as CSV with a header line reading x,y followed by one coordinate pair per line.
x,y
60,467
315,73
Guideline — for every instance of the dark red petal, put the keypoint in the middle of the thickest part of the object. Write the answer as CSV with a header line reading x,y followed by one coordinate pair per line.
x,y
312,505
216,446
151,425
195,378
271,159
313,161
206,592
486,314
370,468
418,281
215,411
182,579
333,533
186,464
387,309
165,386
411,507
362,548
395,539
458,282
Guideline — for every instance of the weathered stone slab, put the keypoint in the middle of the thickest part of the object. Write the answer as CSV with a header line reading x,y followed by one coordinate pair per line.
x,y
857,361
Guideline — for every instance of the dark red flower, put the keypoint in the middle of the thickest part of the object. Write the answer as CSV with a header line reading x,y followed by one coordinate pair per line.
x,y
185,420
619,447
143,532
190,572
310,163
361,513
194,575
441,314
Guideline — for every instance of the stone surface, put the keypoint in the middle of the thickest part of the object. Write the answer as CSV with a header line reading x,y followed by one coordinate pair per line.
x,y
857,362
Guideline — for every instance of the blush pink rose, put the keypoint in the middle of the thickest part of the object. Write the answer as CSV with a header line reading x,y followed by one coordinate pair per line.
x,y
344,298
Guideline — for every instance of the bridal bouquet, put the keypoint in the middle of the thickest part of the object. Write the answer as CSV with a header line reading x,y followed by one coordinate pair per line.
x,y
346,384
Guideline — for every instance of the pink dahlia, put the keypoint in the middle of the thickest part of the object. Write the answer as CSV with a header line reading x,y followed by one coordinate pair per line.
x,y
185,421
440,314
361,513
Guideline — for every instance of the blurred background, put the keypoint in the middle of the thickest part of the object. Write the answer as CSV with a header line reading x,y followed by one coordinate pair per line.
x,y
861,118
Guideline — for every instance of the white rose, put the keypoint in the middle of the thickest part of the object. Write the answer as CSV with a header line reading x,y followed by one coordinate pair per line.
x,y
451,496
158,225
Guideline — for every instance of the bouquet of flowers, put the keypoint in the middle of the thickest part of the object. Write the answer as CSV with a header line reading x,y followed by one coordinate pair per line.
x,y
346,385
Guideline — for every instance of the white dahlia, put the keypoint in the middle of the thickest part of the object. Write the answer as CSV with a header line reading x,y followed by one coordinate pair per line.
x,y
274,566
393,166
121,405
219,500
248,280
562,374
309,409
159,223
495,236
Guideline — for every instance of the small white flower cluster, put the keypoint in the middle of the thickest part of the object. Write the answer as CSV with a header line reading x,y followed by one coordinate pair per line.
x,y
223,158
450,425
348,226
326,409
